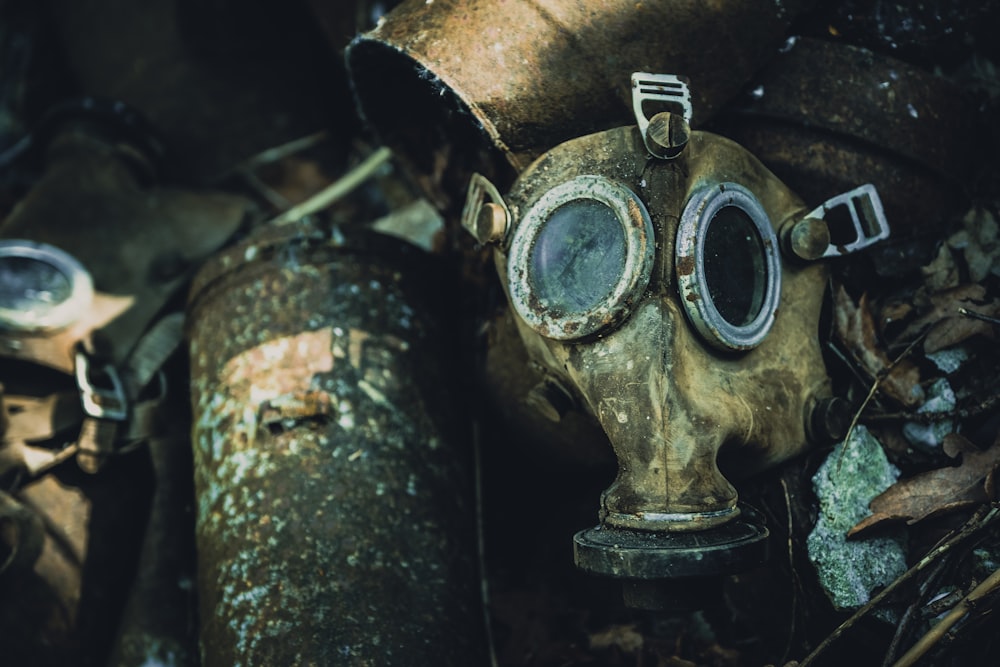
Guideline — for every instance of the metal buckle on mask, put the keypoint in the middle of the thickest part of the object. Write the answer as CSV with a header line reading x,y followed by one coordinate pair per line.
x,y
865,222
581,254
487,221
42,288
668,134
728,266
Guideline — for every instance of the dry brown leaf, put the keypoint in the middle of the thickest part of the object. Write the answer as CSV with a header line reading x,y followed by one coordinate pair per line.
x,y
893,313
937,491
979,243
624,637
855,329
948,326
942,272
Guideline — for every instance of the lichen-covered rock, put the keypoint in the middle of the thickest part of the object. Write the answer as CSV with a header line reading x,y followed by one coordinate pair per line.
x,y
851,476
929,437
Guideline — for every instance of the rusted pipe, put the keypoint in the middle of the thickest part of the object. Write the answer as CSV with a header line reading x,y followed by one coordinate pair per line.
x,y
861,117
514,79
334,511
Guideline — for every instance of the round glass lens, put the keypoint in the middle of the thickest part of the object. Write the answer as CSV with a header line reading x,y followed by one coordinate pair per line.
x,y
32,286
735,266
578,257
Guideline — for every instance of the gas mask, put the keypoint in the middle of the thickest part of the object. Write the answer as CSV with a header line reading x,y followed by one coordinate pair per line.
x,y
671,286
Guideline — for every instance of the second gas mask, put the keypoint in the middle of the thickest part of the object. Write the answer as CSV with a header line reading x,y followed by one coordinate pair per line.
x,y
671,285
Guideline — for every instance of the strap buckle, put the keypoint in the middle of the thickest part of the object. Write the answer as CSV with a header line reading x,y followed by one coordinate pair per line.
x,y
101,402
665,89
487,221
856,220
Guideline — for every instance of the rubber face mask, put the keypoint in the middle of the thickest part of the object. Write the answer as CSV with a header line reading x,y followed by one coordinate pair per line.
x,y
672,299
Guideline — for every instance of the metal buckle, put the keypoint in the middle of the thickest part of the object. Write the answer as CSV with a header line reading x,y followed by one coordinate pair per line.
x,y
101,402
867,217
486,228
663,88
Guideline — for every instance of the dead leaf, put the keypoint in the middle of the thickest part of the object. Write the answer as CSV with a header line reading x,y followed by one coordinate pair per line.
x,y
948,327
942,272
893,313
675,661
979,243
937,491
624,637
855,328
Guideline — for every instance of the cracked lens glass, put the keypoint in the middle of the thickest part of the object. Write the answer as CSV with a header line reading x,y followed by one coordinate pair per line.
x,y
735,269
578,257
29,285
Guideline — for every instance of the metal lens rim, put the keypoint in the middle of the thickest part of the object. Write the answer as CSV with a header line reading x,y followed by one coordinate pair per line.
x,y
61,315
638,228
702,312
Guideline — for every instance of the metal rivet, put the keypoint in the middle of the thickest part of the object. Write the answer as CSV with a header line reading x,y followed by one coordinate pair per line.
x,y
806,239
668,134
491,223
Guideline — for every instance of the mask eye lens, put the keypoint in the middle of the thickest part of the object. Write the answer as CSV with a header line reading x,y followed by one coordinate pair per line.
x,y
728,267
735,266
41,287
30,284
578,257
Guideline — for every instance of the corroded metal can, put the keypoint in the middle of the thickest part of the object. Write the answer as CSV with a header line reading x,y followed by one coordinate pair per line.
x,y
335,516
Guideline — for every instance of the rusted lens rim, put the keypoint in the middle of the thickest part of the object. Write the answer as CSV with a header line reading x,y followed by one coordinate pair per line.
x,y
698,216
638,235
59,315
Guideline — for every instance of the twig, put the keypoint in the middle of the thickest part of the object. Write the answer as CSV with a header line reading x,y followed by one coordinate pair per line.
x,y
794,579
934,635
282,151
15,151
337,189
871,393
904,623
978,522
481,543
978,316
985,405
247,169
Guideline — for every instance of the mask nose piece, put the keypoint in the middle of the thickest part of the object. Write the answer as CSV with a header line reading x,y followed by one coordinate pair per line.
x,y
670,526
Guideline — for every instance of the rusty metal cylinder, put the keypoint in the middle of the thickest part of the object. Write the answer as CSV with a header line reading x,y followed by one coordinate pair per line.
x,y
825,116
515,78
335,515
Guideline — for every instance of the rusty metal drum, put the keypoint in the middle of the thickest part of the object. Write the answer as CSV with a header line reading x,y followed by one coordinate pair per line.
x,y
335,514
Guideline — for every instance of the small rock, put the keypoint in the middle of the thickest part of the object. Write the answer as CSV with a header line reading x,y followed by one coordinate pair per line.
x,y
928,437
846,482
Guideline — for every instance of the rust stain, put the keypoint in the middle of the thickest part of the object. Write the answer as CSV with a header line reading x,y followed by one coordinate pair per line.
x,y
281,366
